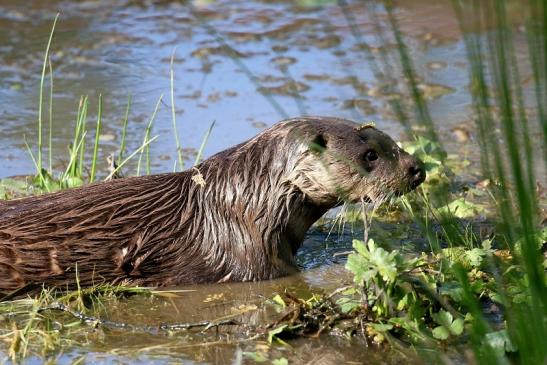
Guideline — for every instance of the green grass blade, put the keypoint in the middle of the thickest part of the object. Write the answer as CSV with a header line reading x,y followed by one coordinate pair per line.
x,y
203,144
50,127
124,130
146,150
138,150
237,60
97,136
420,104
173,109
41,94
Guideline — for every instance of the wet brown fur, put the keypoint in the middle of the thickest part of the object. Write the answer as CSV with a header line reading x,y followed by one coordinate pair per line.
x,y
244,223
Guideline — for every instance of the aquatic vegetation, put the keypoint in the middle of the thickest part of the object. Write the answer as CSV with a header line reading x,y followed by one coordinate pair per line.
x,y
518,281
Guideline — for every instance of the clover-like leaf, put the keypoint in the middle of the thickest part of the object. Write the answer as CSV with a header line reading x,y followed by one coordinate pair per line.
x,y
456,328
447,325
441,333
443,318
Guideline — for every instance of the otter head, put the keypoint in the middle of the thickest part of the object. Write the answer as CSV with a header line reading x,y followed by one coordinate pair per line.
x,y
347,162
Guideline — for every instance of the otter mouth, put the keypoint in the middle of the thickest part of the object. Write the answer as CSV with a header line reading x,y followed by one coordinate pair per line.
x,y
407,189
415,183
411,186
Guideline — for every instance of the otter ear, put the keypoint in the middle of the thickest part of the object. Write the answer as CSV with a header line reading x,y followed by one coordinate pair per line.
x,y
319,144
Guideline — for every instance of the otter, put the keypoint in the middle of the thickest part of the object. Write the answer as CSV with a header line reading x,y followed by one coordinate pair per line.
x,y
240,215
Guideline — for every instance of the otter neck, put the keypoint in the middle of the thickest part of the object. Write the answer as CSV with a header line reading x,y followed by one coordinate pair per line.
x,y
294,229
263,216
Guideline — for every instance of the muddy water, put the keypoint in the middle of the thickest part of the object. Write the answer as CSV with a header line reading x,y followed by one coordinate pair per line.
x,y
244,65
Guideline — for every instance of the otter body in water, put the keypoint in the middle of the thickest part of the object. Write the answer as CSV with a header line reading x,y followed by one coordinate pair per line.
x,y
238,216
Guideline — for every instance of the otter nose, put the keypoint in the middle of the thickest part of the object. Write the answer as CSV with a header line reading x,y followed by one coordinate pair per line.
x,y
416,172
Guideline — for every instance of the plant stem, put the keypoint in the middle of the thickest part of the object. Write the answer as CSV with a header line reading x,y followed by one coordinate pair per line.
x,y
41,95
97,136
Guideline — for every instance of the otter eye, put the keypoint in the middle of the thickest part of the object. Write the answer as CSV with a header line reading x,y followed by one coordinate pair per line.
x,y
371,155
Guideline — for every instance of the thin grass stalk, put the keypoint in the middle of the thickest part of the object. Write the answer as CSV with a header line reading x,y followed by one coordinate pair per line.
x,y
422,110
72,147
173,109
146,150
524,179
480,98
41,177
524,194
204,143
97,136
81,163
41,94
79,131
78,160
524,130
424,223
294,90
148,130
29,326
236,59
522,319
388,75
50,135
349,71
124,130
395,103
69,172
537,51
138,150
493,167
492,162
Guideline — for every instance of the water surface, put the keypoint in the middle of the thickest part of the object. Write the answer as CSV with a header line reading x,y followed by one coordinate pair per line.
x,y
305,59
